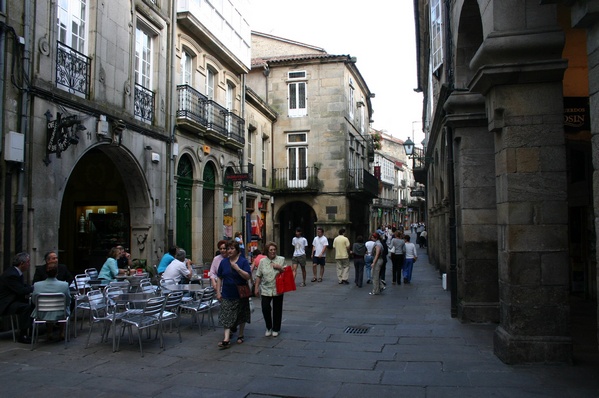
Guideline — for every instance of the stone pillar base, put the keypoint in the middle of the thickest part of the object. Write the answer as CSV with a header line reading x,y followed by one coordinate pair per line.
x,y
528,349
478,312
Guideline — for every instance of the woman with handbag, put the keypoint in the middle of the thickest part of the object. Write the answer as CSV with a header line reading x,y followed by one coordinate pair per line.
x,y
265,285
232,290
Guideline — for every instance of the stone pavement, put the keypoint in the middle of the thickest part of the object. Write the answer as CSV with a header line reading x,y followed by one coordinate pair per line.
x,y
409,346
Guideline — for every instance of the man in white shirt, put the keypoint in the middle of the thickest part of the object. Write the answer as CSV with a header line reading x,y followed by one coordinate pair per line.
x,y
299,254
179,268
319,248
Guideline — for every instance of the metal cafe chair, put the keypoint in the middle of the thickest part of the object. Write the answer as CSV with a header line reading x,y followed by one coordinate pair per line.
x,y
172,311
203,305
149,318
53,305
82,286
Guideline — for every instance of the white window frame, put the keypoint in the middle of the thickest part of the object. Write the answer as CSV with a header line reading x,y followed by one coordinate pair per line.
x,y
210,82
250,144
436,29
186,68
144,65
297,161
68,16
296,84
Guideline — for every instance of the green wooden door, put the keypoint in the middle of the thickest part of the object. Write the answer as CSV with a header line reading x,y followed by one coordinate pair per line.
x,y
184,184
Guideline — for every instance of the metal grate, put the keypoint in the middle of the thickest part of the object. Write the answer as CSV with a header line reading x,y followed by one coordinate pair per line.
x,y
356,329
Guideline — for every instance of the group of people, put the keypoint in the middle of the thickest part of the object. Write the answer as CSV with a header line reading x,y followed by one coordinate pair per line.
x,y
18,297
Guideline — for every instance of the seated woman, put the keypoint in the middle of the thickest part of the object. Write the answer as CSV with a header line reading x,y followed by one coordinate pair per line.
x,y
110,268
52,285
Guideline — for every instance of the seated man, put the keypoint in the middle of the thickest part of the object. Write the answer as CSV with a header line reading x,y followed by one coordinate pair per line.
x,y
51,259
167,259
124,259
52,285
179,268
14,294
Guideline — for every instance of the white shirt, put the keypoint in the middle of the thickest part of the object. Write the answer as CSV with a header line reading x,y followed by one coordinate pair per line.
x,y
176,270
411,250
299,245
319,243
369,248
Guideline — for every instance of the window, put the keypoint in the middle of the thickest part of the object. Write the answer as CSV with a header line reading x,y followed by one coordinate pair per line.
x,y
351,99
436,35
143,58
263,150
210,83
297,94
362,121
250,145
72,15
297,160
186,66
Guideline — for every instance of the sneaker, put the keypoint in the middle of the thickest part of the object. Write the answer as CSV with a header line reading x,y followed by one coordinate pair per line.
x,y
368,281
268,333
275,334
383,282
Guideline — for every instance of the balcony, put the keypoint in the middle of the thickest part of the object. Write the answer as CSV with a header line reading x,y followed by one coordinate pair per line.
x,y
419,166
72,70
360,183
298,179
384,203
197,113
143,104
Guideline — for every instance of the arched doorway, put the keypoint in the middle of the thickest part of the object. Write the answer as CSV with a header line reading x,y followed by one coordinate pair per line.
x,y
291,216
95,212
184,184
208,212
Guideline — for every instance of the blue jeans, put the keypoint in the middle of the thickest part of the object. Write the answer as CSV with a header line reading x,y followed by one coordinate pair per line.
x,y
407,269
368,266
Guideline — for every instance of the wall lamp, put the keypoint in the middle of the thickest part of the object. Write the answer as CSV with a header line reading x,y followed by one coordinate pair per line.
x,y
417,154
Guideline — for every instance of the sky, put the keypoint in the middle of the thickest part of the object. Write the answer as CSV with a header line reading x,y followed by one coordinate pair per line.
x,y
379,33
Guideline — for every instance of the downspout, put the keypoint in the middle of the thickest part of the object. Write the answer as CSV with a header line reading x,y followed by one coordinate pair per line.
x,y
24,128
244,231
170,165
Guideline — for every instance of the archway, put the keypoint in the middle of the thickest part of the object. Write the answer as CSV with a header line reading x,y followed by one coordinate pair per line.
x,y
291,216
95,215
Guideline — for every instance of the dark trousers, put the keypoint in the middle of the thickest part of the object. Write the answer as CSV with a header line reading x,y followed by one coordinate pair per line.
x,y
273,316
397,261
383,269
359,268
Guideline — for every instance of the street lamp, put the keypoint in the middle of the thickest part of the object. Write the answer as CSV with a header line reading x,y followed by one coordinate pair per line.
x,y
409,146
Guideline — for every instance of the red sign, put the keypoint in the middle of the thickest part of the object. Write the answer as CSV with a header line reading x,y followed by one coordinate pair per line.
x,y
238,177
377,172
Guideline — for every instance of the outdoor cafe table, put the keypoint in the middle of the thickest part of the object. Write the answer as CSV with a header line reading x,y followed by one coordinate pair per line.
x,y
192,288
134,280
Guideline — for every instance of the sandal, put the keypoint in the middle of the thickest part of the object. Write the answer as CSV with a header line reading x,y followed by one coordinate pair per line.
x,y
240,340
319,279
302,284
313,279
224,344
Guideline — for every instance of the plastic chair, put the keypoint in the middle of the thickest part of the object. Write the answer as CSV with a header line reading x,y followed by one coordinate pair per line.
x,y
203,305
150,317
53,305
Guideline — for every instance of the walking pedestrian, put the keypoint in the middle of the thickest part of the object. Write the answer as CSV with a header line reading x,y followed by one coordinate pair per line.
x,y
397,248
299,244
359,252
341,246
377,262
319,247
411,257
266,287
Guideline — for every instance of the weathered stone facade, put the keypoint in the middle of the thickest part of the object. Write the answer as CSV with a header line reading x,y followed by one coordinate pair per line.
x,y
506,222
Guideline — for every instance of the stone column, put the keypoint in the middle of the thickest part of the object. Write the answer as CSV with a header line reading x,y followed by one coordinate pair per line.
x,y
476,210
521,78
585,15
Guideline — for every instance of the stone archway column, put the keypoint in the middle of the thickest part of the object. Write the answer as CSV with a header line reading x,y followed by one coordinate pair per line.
x,y
476,209
525,111
197,228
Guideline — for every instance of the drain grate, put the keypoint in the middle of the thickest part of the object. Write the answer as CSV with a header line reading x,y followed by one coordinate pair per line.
x,y
356,329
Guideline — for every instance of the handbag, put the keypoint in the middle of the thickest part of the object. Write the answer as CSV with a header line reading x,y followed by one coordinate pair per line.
x,y
244,291
285,281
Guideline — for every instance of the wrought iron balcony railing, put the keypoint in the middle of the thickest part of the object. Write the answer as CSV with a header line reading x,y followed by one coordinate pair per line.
x,y
143,103
212,118
360,181
73,70
295,179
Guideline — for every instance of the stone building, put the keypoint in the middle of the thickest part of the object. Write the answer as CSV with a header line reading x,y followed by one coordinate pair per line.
x,y
123,123
321,143
510,112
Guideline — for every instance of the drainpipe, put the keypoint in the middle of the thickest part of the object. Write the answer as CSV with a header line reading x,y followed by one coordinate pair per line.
x,y
24,127
170,165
